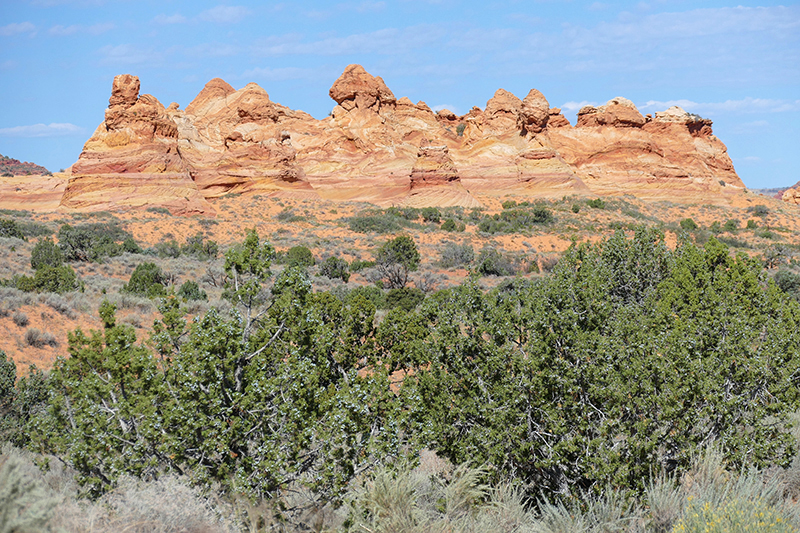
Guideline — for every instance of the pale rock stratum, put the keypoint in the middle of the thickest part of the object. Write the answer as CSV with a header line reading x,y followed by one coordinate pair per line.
x,y
379,148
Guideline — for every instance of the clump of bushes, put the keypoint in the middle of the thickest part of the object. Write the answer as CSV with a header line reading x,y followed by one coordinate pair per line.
x,y
688,224
335,268
456,255
514,220
94,242
146,280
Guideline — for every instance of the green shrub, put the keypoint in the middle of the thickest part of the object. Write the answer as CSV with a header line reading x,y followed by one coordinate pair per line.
x,y
372,294
751,224
46,253
451,225
788,281
335,268
715,228
396,258
190,291
169,248
146,280
688,224
460,129
492,263
430,214
374,224
406,298
10,228
576,208
39,339
200,248
596,203
758,210
91,242
358,265
731,225
300,256
47,278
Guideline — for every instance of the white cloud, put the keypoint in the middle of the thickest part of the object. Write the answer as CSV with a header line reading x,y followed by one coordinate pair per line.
x,y
169,19
127,54
389,41
574,107
278,74
96,29
745,105
224,14
16,28
54,129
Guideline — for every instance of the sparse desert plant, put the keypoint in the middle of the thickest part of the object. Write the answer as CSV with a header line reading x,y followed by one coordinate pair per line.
x,y
396,259
492,263
456,255
430,214
688,224
39,339
751,224
24,503
49,279
20,319
10,228
596,203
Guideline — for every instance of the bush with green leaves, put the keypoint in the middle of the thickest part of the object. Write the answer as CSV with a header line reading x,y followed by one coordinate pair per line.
x,y
451,225
147,280
688,224
406,298
200,248
396,259
374,224
492,263
10,228
191,291
168,248
299,256
596,203
731,225
516,219
46,253
335,268
47,278
430,214
751,224
92,242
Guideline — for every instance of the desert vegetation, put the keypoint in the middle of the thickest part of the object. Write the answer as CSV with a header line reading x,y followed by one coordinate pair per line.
x,y
277,383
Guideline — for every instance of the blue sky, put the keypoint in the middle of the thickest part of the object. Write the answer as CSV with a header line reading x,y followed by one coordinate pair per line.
x,y
738,64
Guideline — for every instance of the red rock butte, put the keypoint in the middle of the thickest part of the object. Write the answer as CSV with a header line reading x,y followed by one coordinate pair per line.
x,y
377,148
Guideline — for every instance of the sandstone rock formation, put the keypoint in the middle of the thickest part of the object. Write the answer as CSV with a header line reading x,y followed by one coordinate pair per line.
x,y
792,195
379,148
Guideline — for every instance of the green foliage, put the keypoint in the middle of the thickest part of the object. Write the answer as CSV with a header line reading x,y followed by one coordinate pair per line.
x,y
759,210
789,282
335,268
374,224
146,280
92,242
460,129
688,224
200,248
576,208
492,263
751,224
190,291
430,214
731,225
168,248
47,278
46,253
396,259
516,219
10,228
715,228
358,265
596,203
625,361
299,256
368,293
406,298
451,225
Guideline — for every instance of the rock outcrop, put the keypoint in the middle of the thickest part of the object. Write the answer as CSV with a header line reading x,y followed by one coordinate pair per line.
x,y
379,148
132,159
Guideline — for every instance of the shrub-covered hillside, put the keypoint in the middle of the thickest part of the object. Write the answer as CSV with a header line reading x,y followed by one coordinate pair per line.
x,y
613,373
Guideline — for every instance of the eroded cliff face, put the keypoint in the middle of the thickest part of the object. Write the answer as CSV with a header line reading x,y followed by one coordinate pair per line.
x,y
379,148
